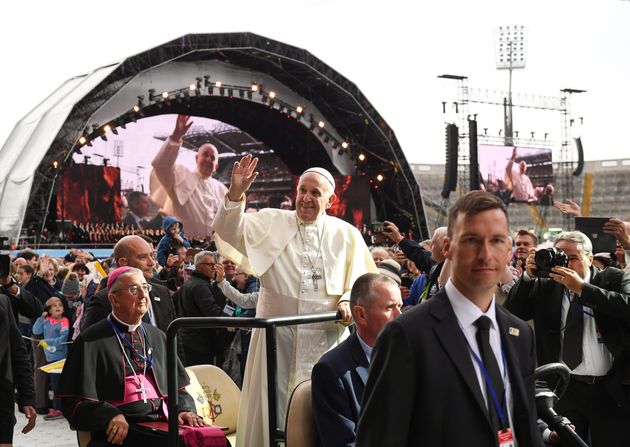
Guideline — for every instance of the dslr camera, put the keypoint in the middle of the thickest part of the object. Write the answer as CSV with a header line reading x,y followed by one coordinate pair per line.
x,y
548,258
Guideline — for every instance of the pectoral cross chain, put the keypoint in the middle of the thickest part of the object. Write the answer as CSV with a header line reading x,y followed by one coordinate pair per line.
x,y
315,277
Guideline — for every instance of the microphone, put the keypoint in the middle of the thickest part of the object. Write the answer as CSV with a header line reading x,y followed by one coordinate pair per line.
x,y
546,399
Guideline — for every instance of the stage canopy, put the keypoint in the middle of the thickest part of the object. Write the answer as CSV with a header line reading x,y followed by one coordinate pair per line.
x,y
281,95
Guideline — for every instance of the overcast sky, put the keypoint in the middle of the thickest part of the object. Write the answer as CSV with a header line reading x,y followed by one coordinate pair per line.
x,y
393,51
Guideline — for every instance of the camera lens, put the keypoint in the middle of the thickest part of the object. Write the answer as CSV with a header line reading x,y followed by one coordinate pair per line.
x,y
543,258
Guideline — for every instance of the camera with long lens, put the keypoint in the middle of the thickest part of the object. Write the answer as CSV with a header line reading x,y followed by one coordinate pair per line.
x,y
548,258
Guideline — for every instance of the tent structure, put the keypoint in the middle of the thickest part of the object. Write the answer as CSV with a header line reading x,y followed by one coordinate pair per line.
x,y
283,95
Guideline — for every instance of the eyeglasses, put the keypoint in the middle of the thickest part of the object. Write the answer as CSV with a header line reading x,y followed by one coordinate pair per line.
x,y
211,264
134,289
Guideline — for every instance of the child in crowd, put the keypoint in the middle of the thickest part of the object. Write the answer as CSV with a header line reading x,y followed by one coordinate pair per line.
x,y
55,329
174,237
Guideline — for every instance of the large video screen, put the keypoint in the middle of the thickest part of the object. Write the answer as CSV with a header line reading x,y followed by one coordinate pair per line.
x,y
517,174
103,187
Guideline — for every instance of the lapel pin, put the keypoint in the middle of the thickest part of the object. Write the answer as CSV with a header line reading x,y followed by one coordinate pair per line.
x,y
514,331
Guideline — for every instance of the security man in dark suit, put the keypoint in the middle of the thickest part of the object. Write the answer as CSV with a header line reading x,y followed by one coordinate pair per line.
x,y
582,317
138,209
135,252
457,369
338,379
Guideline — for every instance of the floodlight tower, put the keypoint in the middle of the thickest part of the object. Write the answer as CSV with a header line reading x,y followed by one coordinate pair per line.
x,y
510,55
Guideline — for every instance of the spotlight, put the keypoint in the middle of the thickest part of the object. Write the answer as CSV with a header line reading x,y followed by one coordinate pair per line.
x,y
321,124
82,140
254,87
136,108
192,87
361,157
345,145
218,84
380,177
299,109
55,164
165,95
272,94
107,128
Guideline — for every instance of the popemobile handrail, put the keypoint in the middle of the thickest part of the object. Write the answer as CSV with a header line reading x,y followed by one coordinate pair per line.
x,y
269,324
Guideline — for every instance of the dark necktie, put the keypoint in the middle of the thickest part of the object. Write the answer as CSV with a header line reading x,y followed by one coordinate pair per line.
x,y
492,367
573,334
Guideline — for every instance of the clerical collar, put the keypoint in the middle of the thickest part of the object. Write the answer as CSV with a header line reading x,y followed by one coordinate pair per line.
x,y
317,222
128,327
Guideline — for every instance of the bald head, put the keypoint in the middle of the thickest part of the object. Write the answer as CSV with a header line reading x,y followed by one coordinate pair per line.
x,y
135,252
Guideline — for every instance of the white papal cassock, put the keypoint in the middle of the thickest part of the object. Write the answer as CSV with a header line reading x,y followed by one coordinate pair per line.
x,y
286,254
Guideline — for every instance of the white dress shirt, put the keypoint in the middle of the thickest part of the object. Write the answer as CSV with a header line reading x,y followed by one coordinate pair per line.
x,y
467,313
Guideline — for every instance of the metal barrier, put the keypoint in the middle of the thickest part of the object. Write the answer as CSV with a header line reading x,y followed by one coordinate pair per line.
x,y
269,324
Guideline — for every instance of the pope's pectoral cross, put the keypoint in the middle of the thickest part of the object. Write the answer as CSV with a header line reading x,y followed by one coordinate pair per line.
x,y
143,391
315,277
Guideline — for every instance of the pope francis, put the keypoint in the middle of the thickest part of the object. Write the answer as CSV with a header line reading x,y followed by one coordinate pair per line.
x,y
307,262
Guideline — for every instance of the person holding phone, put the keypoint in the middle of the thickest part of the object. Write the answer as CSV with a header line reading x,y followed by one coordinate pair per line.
x,y
200,297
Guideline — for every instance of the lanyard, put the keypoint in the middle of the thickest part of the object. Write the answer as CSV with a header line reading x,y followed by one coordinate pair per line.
x,y
501,409
148,361
580,308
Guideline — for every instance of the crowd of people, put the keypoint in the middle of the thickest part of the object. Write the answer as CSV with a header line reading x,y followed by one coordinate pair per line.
x,y
439,334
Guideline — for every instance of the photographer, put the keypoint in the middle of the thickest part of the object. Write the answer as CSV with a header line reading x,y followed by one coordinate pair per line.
x,y
426,261
582,317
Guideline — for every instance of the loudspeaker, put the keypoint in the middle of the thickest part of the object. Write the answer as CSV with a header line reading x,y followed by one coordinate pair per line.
x,y
473,155
450,168
580,151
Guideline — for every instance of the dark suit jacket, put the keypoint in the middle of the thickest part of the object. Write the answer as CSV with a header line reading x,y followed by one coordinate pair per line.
x,y
198,298
608,294
99,307
338,381
153,224
15,370
423,391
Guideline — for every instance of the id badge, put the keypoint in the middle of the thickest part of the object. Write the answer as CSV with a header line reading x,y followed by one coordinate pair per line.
x,y
228,310
505,438
600,339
